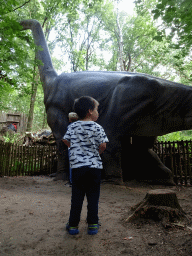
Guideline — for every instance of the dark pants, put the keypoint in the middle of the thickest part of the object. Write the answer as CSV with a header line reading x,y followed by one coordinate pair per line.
x,y
86,181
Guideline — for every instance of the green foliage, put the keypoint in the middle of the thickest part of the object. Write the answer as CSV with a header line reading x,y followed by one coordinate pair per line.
x,y
78,35
177,15
176,136
11,137
174,23
140,52
13,50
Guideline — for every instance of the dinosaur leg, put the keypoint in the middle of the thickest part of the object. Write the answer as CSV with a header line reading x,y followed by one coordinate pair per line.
x,y
63,162
112,161
142,163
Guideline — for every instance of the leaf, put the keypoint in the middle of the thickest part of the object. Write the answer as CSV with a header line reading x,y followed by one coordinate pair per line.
x,y
158,38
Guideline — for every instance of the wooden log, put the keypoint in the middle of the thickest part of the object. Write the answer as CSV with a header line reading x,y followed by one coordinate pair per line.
x,y
158,204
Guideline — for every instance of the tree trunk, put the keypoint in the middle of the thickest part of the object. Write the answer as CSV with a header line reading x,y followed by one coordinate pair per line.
x,y
129,63
44,119
33,97
159,204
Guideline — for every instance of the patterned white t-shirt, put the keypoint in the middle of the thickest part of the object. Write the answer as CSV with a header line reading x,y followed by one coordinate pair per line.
x,y
85,137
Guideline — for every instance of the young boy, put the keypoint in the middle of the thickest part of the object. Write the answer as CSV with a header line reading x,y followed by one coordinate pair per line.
x,y
87,140
73,117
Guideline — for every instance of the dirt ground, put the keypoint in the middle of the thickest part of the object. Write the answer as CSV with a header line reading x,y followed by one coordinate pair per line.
x,y
35,210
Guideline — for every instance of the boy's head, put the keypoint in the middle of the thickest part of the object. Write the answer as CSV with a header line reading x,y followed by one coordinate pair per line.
x,y
84,105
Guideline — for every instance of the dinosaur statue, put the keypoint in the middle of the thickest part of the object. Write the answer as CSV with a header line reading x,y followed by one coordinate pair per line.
x,y
131,105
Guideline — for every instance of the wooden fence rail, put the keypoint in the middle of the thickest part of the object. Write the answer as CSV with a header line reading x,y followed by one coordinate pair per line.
x,y
18,160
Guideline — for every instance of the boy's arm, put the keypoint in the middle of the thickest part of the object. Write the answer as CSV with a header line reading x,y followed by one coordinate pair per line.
x,y
66,143
102,147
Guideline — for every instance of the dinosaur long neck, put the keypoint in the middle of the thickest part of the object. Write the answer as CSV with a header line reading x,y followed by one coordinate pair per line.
x,y
47,72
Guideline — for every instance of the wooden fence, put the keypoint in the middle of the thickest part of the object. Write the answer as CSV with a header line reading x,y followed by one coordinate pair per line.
x,y
32,160
18,160
177,156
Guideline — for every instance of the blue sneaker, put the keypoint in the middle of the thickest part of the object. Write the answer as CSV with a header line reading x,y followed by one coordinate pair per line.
x,y
93,229
72,230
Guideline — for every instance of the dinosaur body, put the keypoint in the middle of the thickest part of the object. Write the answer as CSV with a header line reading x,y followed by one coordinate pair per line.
x,y
131,105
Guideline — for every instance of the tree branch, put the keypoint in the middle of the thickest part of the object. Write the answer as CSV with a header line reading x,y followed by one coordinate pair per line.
x,y
21,5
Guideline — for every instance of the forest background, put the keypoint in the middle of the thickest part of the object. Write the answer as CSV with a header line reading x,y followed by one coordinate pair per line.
x,y
155,39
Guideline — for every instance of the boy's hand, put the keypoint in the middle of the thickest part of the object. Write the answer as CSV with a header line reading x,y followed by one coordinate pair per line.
x,y
102,147
66,143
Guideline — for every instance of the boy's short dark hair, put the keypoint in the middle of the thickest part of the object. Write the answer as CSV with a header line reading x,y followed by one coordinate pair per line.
x,y
82,106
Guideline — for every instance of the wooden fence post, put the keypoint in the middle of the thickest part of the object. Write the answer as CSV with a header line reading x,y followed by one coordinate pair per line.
x,y
175,164
189,152
184,163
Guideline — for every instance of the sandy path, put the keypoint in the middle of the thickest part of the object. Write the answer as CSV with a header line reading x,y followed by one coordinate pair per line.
x,y
34,211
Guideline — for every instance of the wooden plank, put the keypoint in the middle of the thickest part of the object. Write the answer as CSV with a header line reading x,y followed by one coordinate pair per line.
x,y
21,159
13,170
35,159
159,146
189,160
42,158
23,123
4,159
12,121
49,159
45,159
38,157
171,156
52,158
18,171
1,158
175,164
27,161
180,162
184,162
11,161
3,117
166,153
15,160
163,151
24,161
13,114
30,161
7,157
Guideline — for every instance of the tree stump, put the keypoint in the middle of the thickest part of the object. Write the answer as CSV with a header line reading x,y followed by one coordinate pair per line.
x,y
159,204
